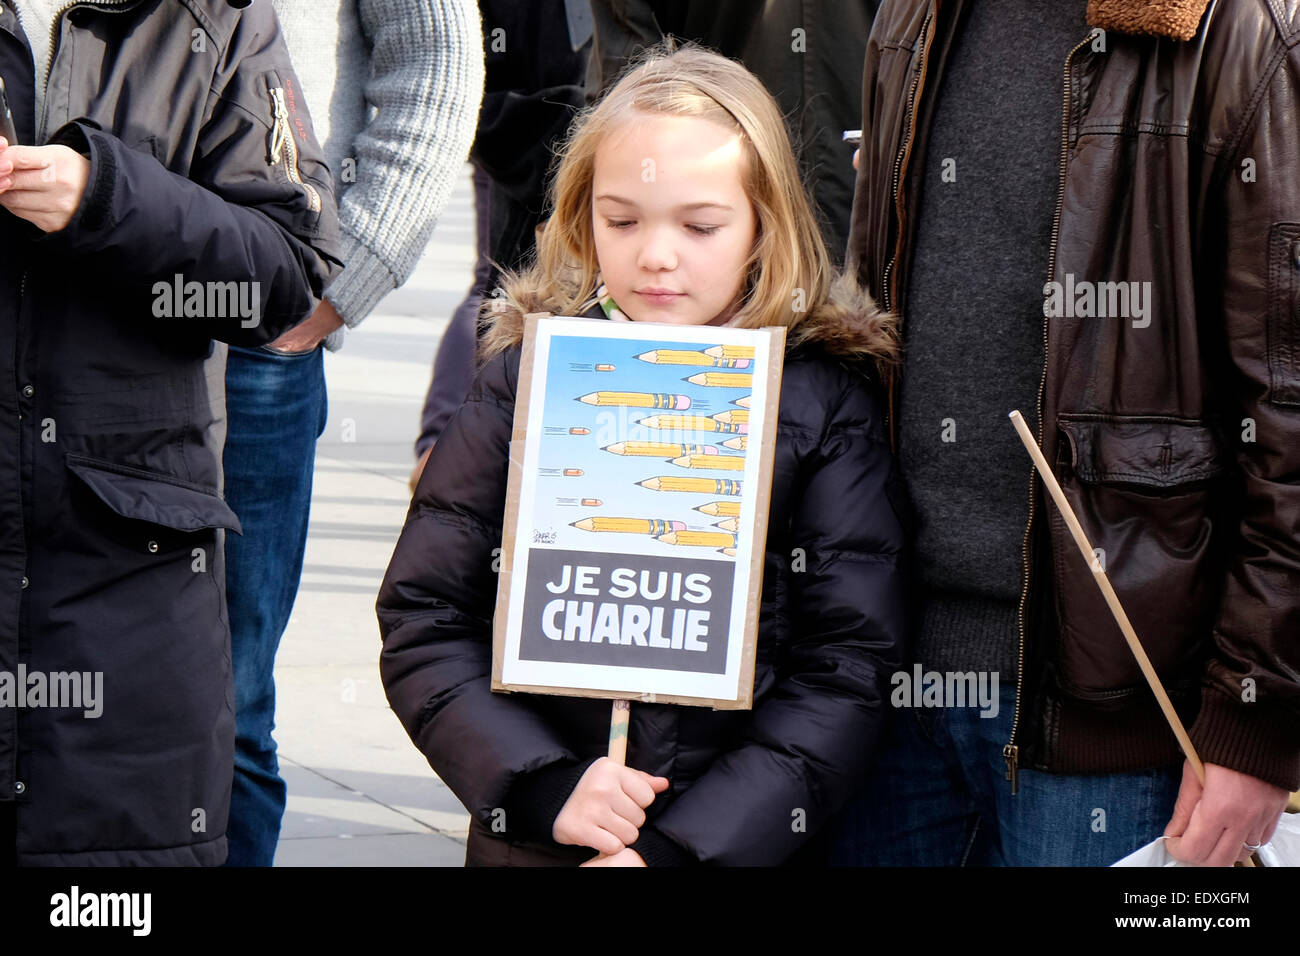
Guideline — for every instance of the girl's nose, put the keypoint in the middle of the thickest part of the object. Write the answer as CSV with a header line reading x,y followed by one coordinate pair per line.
x,y
658,254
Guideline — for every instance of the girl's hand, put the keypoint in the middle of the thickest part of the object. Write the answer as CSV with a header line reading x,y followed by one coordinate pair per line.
x,y
42,184
624,857
607,807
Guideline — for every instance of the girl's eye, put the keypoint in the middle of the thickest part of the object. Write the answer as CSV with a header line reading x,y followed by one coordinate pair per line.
x,y
618,223
702,230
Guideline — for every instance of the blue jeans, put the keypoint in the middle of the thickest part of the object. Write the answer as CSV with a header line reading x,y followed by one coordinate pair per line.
x,y
276,408
938,797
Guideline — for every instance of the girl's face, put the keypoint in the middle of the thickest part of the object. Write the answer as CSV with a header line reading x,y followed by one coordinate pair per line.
x,y
673,225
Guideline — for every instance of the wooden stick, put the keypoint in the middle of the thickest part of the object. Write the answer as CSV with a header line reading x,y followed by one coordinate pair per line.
x,y
618,731
1108,592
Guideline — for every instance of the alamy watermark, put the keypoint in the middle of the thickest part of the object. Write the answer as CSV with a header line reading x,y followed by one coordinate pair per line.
x,y
133,911
72,690
1080,299
208,300
918,688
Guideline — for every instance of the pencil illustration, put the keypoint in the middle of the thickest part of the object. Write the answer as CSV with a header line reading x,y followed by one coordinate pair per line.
x,y
721,509
632,501
722,379
734,417
717,462
655,526
706,486
678,357
659,449
677,403
696,423
699,539
731,351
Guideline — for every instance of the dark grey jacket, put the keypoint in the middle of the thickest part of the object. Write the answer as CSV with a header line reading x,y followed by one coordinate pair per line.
x,y
203,166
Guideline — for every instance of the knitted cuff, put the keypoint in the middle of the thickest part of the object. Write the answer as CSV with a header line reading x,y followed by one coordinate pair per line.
x,y
364,281
657,850
1247,738
538,798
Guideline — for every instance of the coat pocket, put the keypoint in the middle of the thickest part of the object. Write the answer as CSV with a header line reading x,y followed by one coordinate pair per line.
x,y
144,495
140,590
1148,492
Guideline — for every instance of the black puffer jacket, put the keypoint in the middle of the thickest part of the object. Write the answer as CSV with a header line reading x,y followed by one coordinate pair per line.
x,y
747,787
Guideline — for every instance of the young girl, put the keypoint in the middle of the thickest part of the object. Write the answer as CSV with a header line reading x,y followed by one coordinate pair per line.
x,y
677,200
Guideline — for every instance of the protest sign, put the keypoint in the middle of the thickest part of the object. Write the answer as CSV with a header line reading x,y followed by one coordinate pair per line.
x,y
636,515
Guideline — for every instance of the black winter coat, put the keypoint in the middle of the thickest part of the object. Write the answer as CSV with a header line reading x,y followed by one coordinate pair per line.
x,y
112,413
747,787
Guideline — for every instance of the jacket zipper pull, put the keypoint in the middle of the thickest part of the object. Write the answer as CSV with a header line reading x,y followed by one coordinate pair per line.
x,y
1011,755
281,115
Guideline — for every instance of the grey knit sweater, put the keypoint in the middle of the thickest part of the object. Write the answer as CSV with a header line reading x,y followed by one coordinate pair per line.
x,y
393,88
973,324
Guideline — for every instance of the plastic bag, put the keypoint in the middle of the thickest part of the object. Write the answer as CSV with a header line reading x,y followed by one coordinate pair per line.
x,y
1282,850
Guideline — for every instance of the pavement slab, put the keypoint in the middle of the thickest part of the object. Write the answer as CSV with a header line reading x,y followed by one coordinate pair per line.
x,y
360,794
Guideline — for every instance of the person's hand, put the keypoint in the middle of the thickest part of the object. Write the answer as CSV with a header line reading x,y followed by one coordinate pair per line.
x,y
310,333
419,468
1211,827
42,184
624,857
607,807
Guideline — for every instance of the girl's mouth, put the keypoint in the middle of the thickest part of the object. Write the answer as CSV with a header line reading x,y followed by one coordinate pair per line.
x,y
660,296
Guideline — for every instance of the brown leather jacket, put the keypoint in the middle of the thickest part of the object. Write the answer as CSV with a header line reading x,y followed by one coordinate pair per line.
x,y
1176,435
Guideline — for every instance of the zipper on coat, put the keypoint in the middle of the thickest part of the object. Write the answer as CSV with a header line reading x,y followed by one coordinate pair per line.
x,y
1011,752
905,148
18,334
56,30
284,148
56,26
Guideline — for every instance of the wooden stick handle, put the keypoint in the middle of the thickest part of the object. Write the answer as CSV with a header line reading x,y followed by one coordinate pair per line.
x,y
618,731
1108,592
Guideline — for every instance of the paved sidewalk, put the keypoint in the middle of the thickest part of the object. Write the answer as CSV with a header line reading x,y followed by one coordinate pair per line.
x,y
360,794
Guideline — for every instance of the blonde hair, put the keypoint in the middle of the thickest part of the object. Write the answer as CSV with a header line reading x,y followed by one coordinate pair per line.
x,y
789,279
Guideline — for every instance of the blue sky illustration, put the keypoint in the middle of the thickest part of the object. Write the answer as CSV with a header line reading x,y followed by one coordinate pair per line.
x,y
610,478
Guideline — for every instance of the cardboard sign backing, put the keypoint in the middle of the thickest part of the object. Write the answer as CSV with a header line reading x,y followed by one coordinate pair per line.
x,y
636,512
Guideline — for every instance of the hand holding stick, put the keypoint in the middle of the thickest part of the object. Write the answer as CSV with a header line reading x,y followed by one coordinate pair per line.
x,y
1108,592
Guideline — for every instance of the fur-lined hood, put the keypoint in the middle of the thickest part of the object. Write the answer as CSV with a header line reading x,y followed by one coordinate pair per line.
x,y
847,325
